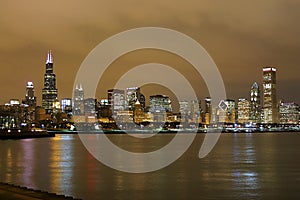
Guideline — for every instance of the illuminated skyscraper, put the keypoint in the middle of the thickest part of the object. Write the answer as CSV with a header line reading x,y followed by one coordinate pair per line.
x,y
243,111
116,100
160,105
49,93
270,107
30,99
288,112
78,104
208,110
255,106
132,95
227,114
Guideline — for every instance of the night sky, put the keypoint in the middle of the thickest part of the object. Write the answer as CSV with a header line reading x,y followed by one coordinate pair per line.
x,y
241,37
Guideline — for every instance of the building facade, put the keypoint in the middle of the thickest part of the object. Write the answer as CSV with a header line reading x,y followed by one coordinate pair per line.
x,y
288,113
255,104
132,95
243,111
30,99
78,97
116,100
49,92
270,106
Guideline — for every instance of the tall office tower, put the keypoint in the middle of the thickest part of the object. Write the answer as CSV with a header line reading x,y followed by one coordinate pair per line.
x,y
227,114
116,100
195,109
90,106
78,104
30,99
208,111
184,108
160,105
49,93
255,107
132,95
270,107
243,111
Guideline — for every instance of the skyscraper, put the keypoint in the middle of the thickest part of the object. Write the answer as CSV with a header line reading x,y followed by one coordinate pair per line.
x,y
208,111
255,106
243,111
116,100
78,104
270,107
160,105
132,95
30,99
49,93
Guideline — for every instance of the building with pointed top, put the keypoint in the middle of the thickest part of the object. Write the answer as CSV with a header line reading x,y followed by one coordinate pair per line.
x,y
78,100
255,105
49,92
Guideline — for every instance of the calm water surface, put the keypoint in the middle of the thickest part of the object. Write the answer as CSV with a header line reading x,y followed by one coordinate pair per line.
x,y
241,166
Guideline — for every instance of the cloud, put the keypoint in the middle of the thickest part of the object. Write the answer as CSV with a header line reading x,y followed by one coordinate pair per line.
x,y
241,36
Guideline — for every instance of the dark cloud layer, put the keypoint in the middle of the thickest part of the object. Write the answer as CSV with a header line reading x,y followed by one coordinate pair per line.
x,y
241,36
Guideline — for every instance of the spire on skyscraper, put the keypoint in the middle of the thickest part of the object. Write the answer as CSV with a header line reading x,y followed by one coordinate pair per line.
x,y
255,85
49,57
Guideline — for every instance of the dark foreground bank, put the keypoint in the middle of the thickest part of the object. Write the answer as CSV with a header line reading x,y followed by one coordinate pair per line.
x,y
9,191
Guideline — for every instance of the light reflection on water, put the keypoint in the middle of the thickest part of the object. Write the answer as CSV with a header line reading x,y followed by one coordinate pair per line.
x,y
242,166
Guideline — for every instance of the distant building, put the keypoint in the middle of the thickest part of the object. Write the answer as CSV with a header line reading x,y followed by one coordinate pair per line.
x,y
116,100
66,105
190,111
255,104
138,114
207,111
160,105
30,99
132,95
288,113
243,111
227,114
78,97
184,110
49,93
90,106
270,106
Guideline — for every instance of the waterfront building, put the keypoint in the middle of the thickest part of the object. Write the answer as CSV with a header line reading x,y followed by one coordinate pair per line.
x,y
138,114
227,113
66,105
78,104
190,111
270,106
288,112
195,110
184,110
30,99
116,100
132,95
255,104
90,106
160,105
207,111
49,92
243,111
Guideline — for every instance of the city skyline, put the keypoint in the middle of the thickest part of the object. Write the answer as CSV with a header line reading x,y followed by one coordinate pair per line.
x,y
240,43
50,88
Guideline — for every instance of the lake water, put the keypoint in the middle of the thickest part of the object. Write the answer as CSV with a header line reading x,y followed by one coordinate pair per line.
x,y
241,166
